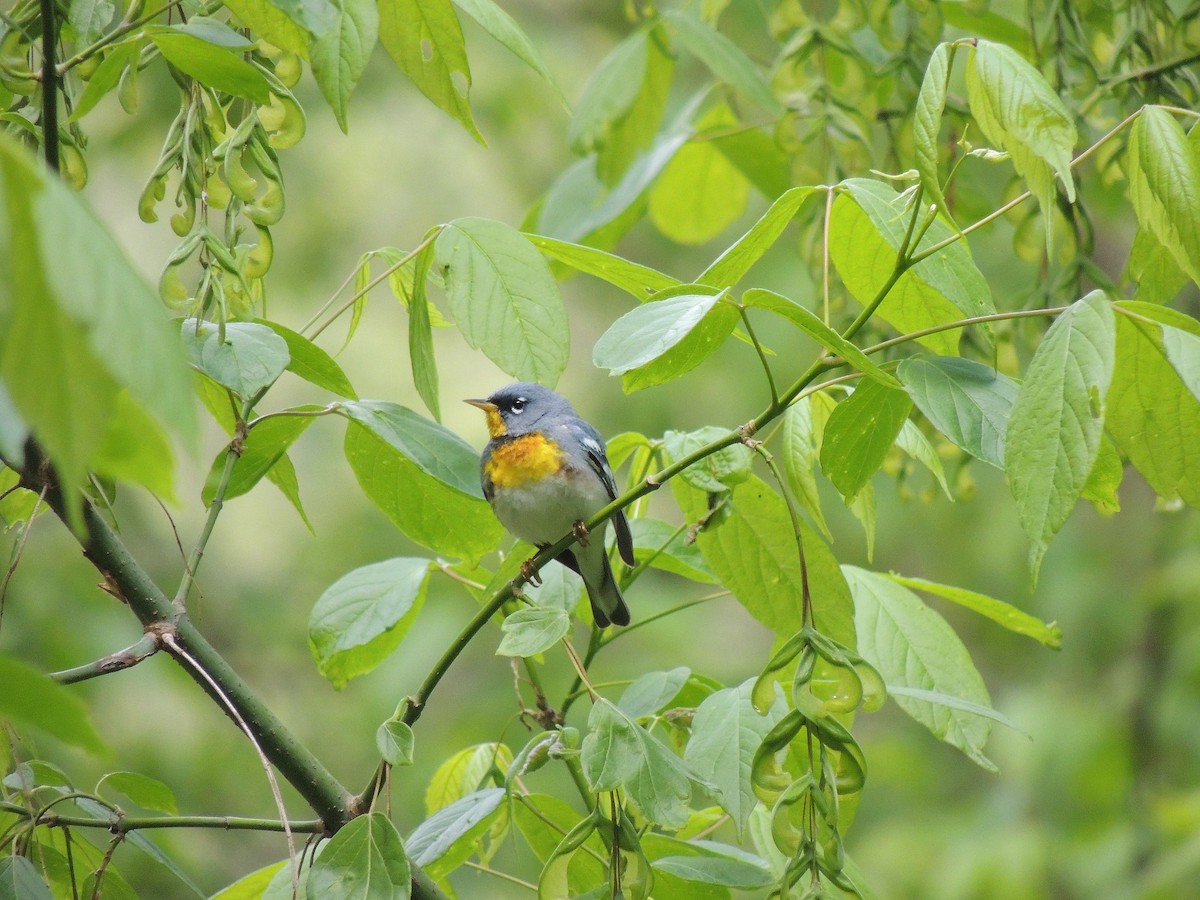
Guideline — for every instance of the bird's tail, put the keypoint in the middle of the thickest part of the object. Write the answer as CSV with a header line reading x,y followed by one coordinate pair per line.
x,y
608,606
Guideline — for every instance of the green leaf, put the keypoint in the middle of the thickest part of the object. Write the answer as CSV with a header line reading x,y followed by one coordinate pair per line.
x,y
700,192
1180,339
1054,433
581,207
448,838
311,363
272,23
970,403
395,743
283,476
1105,478
758,157
425,40
1003,614
422,503
143,843
731,266
504,298
246,360
937,698
135,449
618,752
465,772
1152,416
420,335
146,792
717,471
1153,267
664,547
212,65
651,693
912,646
734,873
365,860
436,450
726,732
634,130
866,231
105,78
913,442
802,431
77,323
811,324
659,341
927,121
362,617
89,18
533,630
860,432
754,554
339,52
1021,114
254,885
19,880
638,280
609,93
724,59
560,588
501,26
31,699
1164,186
263,447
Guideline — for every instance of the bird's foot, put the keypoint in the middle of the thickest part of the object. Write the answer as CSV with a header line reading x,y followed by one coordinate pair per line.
x,y
580,530
529,573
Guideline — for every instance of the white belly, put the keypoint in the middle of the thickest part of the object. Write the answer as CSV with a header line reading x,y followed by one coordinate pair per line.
x,y
544,511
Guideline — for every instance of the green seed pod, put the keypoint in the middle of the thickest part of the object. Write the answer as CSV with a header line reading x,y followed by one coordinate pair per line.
x,y
240,182
216,191
182,221
288,69
73,166
127,89
284,120
258,260
155,190
269,208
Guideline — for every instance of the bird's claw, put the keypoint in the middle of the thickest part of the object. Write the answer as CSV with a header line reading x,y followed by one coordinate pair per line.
x,y
529,573
580,530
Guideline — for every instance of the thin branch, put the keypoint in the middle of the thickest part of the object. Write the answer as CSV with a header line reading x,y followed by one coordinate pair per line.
x,y
112,37
119,823
367,288
488,870
49,84
195,666
1021,198
149,644
762,356
19,550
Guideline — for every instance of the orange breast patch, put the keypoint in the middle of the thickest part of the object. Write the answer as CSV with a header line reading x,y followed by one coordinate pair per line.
x,y
525,459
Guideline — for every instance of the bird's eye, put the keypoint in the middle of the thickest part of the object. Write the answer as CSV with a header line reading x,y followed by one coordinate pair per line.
x,y
518,405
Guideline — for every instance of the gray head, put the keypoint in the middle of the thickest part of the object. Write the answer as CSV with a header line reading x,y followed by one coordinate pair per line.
x,y
518,407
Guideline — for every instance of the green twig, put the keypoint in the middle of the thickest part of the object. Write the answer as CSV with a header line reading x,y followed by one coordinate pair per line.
x,y
119,823
111,38
149,644
367,288
762,357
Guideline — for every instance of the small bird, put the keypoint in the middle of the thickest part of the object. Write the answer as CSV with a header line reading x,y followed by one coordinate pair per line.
x,y
545,472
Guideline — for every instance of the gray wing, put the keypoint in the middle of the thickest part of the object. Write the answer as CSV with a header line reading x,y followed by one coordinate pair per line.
x,y
593,444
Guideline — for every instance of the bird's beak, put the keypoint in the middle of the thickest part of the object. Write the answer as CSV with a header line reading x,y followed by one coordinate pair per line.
x,y
495,424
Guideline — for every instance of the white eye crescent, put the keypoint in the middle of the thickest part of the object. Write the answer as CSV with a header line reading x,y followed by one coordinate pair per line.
x,y
518,405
